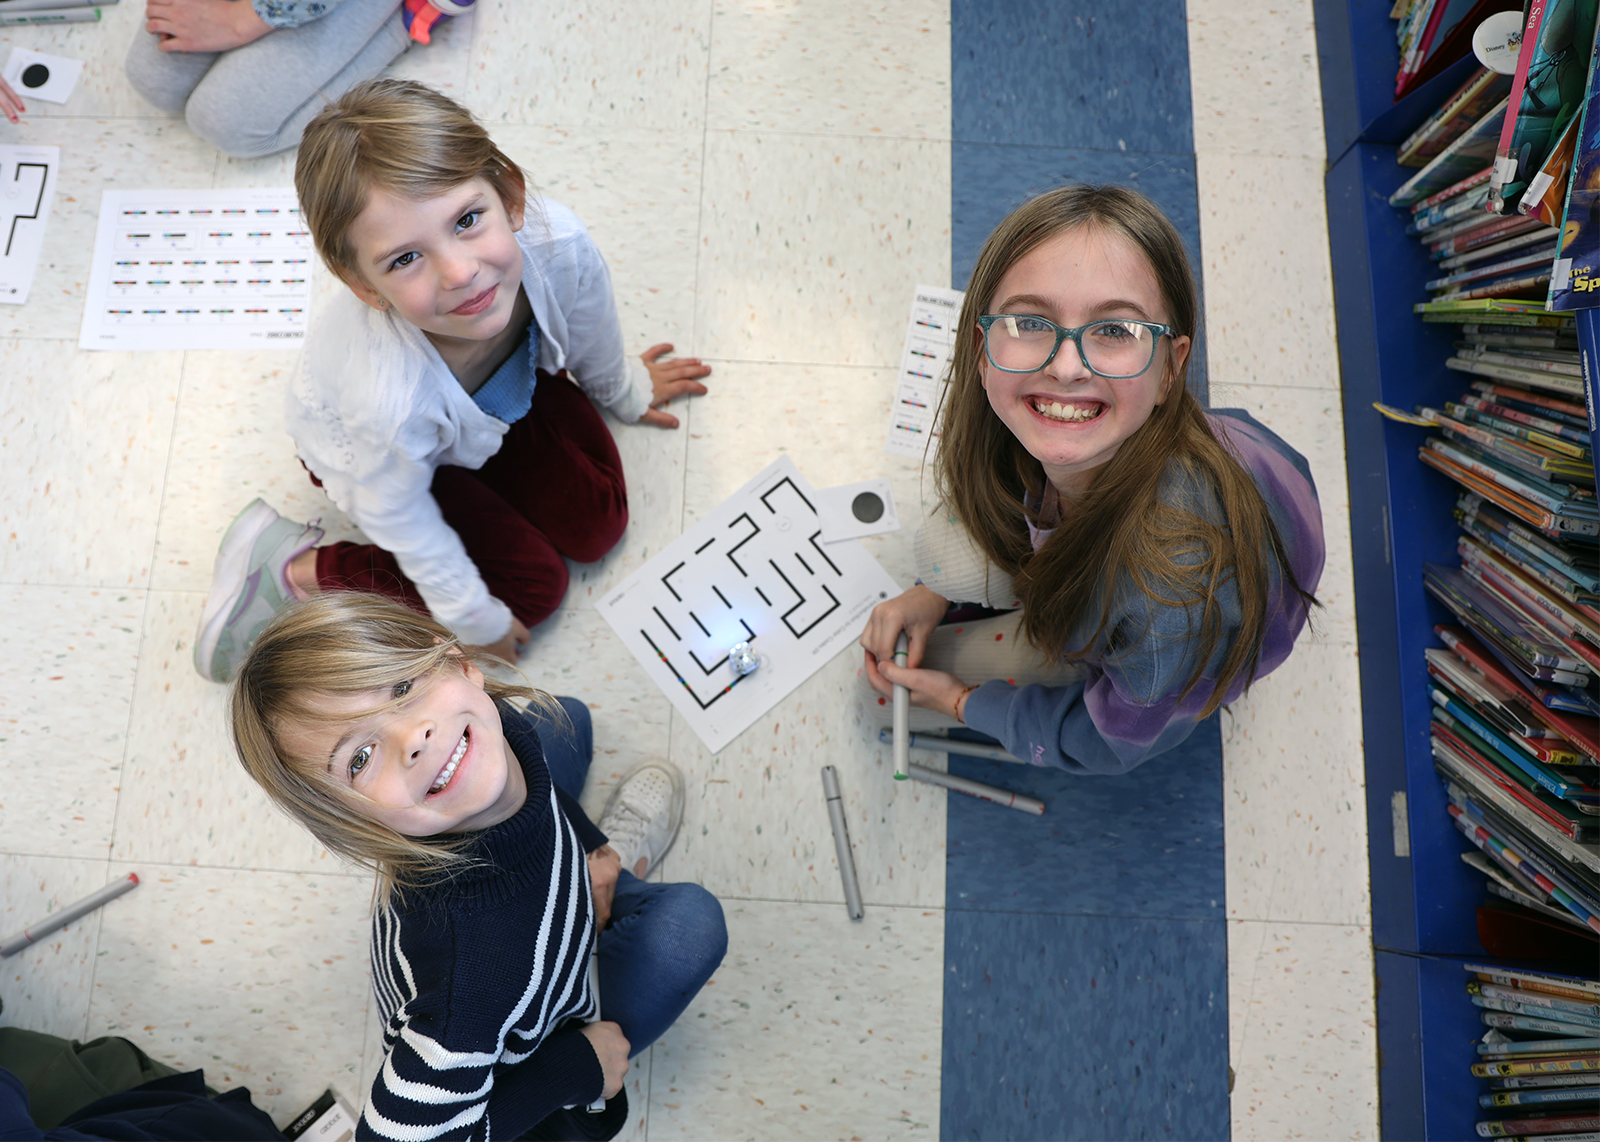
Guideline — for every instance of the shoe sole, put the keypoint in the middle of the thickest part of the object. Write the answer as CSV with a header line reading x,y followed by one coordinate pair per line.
x,y
228,579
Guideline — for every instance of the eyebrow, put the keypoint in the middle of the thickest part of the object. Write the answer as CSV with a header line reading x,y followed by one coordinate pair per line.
x,y
338,747
1111,305
477,201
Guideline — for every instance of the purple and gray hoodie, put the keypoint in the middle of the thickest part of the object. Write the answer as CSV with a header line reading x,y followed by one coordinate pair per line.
x,y
1126,708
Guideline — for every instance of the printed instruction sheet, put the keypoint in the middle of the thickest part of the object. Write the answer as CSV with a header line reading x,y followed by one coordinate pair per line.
x,y
27,188
198,269
930,337
753,570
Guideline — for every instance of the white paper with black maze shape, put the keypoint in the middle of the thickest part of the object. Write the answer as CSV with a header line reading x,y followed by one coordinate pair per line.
x,y
753,570
27,188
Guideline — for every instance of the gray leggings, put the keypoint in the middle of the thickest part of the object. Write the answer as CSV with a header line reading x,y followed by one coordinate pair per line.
x,y
256,99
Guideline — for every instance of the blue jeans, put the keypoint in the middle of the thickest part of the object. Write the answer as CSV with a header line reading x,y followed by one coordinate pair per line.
x,y
664,940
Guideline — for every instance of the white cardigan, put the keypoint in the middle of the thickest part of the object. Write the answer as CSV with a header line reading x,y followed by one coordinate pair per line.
x,y
373,410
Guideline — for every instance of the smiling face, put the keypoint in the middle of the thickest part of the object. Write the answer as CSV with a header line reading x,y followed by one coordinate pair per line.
x,y
1068,419
438,763
450,264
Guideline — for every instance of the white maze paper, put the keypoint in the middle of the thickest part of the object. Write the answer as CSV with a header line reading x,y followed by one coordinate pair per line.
x,y
930,337
198,269
753,570
27,187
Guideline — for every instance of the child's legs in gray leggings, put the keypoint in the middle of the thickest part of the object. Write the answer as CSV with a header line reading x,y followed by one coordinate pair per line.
x,y
256,100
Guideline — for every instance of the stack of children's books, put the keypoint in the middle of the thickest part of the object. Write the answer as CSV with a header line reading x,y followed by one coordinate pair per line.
x,y
1515,734
1539,1054
1506,200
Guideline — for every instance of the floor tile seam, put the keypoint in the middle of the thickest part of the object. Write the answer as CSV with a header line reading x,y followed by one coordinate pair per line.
x,y
952,909
144,617
1058,147
791,133
1236,1049
136,864
31,855
1282,922
76,586
743,899
799,364
1213,383
1239,153
38,337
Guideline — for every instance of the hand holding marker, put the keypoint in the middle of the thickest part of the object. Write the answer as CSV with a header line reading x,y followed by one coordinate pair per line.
x,y
58,920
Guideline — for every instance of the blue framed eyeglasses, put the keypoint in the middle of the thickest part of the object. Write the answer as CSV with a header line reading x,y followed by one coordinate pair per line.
x,y
1116,348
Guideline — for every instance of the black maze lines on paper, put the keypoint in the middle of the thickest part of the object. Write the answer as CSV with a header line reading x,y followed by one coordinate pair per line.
x,y
753,570
230,272
27,187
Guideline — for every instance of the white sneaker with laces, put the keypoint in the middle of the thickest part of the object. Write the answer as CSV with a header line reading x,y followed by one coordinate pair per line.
x,y
643,814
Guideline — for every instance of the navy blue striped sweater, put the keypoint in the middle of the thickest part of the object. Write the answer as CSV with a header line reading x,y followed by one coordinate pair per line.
x,y
482,980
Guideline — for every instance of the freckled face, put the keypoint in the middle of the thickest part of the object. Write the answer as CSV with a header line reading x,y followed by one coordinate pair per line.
x,y
439,763
1069,419
450,265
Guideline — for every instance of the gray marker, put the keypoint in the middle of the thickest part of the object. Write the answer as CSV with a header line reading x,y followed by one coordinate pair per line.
x,y
59,920
902,715
841,842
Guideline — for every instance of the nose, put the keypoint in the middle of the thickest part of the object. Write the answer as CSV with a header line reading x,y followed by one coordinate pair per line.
x,y
414,736
457,270
1068,363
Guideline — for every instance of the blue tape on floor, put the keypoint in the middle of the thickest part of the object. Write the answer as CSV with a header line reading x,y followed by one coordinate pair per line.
x,y
1089,1027
1147,843
1085,951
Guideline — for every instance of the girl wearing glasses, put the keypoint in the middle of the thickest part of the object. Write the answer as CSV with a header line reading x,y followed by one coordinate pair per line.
x,y
1155,557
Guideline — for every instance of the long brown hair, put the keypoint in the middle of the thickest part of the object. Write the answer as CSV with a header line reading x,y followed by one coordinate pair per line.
x,y
400,136
345,643
1121,530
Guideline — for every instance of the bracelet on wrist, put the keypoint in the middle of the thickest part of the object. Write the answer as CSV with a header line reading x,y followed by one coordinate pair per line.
x,y
961,704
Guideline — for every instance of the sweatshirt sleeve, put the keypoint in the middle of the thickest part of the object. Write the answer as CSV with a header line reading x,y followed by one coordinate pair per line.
x,y
1126,708
292,13
426,1092
397,511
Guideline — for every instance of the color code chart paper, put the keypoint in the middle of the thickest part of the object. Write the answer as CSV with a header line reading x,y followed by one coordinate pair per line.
x,y
753,570
930,336
27,186
198,269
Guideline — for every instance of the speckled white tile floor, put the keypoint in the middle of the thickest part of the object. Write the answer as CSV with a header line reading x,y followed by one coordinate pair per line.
x,y
768,180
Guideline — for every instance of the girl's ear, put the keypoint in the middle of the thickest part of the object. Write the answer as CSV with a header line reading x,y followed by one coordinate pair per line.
x,y
361,289
1179,353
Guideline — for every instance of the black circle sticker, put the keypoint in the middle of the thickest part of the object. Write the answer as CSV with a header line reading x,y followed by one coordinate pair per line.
x,y
867,507
35,75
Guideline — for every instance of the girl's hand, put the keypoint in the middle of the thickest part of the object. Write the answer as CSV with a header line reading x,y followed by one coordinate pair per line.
x,y
611,1048
10,101
516,639
203,25
930,689
604,865
916,612
668,380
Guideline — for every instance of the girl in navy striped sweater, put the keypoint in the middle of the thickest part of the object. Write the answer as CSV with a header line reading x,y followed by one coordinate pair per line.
x,y
369,724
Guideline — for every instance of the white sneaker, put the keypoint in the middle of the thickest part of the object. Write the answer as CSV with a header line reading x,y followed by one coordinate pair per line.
x,y
642,816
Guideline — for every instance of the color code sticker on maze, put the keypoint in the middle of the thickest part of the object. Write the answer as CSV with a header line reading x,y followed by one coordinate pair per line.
x,y
198,269
752,570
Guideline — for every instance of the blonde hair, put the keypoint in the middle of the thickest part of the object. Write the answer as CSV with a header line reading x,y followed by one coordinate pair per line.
x,y
344,643
1122,525
396,135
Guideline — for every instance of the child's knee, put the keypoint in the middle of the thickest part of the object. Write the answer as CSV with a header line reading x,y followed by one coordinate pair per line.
x,y
537,598
594,542
148,73
233,131
704,928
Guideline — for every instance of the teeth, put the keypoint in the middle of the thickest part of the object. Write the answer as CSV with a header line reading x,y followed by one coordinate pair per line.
x,y
449,770
1055,410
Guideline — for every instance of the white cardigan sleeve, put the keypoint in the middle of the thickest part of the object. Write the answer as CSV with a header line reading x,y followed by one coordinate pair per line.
x,y
397,511
375,444
574,303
